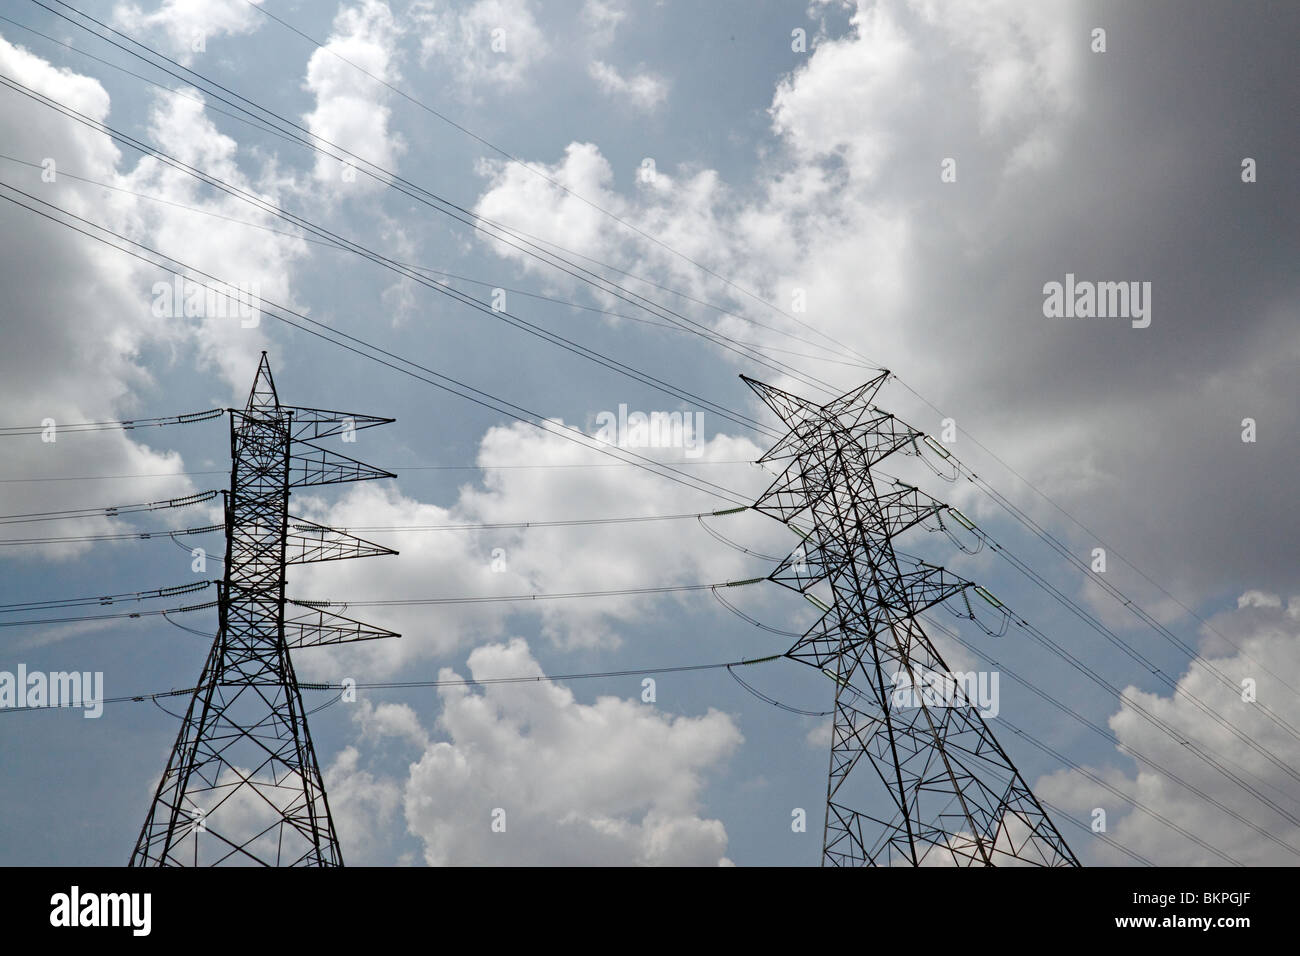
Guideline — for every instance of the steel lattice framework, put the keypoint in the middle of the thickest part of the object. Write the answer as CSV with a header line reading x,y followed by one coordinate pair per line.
x,y
953,795
243,780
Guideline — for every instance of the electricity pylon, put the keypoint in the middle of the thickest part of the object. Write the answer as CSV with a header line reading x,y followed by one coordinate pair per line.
x,y
242,779
935,787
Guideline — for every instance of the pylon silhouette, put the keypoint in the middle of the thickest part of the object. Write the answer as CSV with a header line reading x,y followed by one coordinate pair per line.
x,y
243,785
935,787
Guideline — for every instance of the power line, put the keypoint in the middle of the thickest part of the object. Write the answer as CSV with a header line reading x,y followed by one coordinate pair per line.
x,y
1160,724
120,137
112,536
1114,592
466,682
111,511
516,598
759,695
261,125
488,467
1130,604
981,446
105,599
128,251
110,617
124,424
572,193
558,523
1110,841
503,315
281,119
458,388
1138,804
157,474
1124,646
329,244
389,179
398,602
526,598
131,141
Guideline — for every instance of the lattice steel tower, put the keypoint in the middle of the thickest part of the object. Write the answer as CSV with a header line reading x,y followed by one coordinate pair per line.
x,y
242,780
935,787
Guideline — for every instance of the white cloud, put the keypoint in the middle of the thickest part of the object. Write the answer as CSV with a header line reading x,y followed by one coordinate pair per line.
x,y
78,349
396,721
819,217
821,735
1267,644
527,202
490,43
602,18
615,782
362,805
350,106
236,254
1025,58
688,210
872,75
190,24
1259,599
73,347
645,91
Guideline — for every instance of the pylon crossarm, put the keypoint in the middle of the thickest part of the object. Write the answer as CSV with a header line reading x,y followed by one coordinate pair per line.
x,y
311,464
313,424
313,626
307,542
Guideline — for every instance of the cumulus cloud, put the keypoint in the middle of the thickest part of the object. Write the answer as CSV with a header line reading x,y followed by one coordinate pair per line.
x,y
350,106
1260,642
615,782
82,360
363,806
86,358
602,19
188,25
527,201
491,44
1026,60
809,107
187,218
643,90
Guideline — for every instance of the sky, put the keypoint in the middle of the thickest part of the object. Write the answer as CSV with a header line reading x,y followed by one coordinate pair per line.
x,y
803,194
